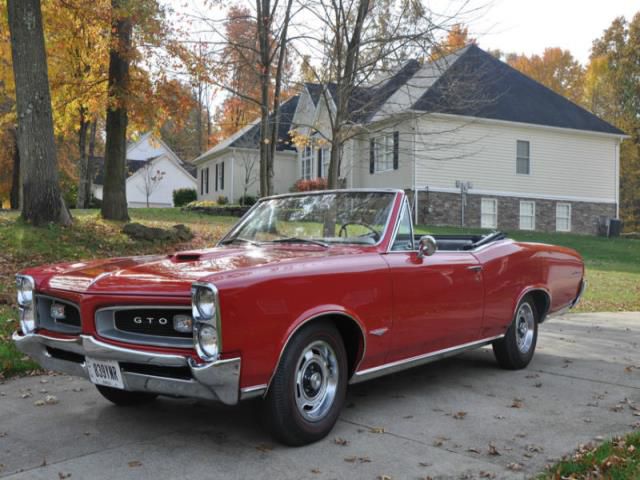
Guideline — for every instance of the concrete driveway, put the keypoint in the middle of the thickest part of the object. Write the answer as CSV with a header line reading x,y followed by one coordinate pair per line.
x,y
459,418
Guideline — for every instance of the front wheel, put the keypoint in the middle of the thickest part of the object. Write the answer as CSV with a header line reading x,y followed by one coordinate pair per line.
x,y
515,350
308,389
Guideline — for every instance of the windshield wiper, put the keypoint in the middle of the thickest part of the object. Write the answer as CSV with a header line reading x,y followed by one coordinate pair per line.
x,y
300,240
239,239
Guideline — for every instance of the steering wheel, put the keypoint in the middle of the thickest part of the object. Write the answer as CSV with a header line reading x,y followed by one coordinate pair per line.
x,y
343,229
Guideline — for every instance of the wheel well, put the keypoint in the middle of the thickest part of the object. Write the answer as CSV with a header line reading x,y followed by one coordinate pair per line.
x,y
352,337
542,302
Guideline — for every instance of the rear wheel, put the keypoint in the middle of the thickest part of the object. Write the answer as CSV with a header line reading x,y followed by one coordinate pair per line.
x,y
515,350
308,390
124,397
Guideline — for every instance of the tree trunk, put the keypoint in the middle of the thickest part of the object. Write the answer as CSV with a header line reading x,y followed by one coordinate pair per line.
x,y
114,200
263,9
90,161
14,196
42,201
83,167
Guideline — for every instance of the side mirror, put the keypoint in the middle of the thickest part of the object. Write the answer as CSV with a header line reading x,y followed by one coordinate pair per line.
x,y
427,246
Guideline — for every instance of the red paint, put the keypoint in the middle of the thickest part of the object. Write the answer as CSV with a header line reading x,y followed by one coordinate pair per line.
x,y
266,293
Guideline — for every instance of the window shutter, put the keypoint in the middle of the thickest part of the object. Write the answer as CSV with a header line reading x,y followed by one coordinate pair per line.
x,y
320,172
396,150
202,181
222,176
206,181
372,156
216,177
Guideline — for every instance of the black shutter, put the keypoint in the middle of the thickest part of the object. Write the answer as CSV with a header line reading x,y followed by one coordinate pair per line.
x,y
222,176
206,181
216,177
202,181
320,163
396,150
372,156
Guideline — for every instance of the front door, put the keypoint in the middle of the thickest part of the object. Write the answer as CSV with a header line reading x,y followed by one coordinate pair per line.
x,y
437,300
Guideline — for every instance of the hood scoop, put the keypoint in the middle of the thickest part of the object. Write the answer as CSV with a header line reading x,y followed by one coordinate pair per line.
x,y
186,257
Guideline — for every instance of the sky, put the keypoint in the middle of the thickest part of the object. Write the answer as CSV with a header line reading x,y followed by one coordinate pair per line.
x,y
528,26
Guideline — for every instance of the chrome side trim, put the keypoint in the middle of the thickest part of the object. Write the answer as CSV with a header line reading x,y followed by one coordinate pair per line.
x,y
411,362
527,291
583,287
304,322
253,392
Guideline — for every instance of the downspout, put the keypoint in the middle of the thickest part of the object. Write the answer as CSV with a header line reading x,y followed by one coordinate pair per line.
x,y
415,172
617,177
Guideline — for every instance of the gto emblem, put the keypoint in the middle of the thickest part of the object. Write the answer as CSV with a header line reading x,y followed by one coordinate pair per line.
x,y
149,320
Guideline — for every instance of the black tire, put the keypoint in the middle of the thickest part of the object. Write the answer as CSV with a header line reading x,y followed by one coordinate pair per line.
x,y
125,398
283,417
510,353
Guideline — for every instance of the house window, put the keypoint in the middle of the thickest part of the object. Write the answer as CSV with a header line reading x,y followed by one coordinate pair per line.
x,y
206,180
563,217
523,162
324,157
383,153
527,215
306,160
489,213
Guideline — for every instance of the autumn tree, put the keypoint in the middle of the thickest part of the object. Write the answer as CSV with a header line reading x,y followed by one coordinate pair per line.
x,y
42,201
613,91
457,37
556,69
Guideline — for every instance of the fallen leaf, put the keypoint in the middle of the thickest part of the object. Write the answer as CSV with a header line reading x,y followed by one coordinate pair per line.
x,y
51,400
384,477
493,450
39,403
425,464
135,463
484,474
264,447
62,476
459,415
341,441
473,450
3,434
315,470
517,403
376,430
516,467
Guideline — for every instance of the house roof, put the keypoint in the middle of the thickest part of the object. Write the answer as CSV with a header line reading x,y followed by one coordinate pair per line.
x,y
477,84
249,136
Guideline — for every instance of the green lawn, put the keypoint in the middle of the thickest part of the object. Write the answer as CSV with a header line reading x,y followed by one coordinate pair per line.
x,y
613,265
617,459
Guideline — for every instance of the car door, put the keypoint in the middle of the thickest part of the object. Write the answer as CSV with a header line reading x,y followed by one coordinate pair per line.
x,y
437,299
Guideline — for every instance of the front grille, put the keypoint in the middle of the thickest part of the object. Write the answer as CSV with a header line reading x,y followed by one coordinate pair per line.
x,y
64,355
180,373
145,325
150,322
70,324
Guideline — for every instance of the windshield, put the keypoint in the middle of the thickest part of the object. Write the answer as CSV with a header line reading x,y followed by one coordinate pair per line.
x,y
321,219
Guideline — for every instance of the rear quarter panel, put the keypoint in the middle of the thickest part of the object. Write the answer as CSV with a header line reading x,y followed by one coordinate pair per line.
x,y
511,269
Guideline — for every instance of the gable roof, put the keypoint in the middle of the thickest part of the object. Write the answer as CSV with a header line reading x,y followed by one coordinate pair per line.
x,y
96,164
477,84
249,136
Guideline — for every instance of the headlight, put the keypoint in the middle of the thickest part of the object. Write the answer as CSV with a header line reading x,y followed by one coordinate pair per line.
x,y
206,320
25,286
208,341
205,303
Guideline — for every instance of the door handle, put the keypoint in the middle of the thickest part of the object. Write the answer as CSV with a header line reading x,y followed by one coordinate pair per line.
x,y
475,268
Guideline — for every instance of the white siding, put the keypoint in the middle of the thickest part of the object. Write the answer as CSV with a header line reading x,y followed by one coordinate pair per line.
x,y
235,161
162,196
563,164
147,147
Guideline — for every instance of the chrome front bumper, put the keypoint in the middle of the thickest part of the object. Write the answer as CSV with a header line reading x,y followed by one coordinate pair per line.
x,y
218,380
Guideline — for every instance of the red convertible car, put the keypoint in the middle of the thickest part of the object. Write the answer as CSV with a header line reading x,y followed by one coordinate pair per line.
x,y
306,294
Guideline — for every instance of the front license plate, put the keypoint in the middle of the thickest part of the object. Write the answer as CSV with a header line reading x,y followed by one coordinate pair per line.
x,y
105,372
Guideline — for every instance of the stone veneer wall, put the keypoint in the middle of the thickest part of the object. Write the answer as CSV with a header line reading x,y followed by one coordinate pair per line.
x,y
438,208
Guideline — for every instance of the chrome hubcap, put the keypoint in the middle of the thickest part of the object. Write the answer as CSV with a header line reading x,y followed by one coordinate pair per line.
x,y
316,380
525,327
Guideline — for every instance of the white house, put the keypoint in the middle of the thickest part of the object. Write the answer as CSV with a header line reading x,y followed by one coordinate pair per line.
x,y
476,142
145,158
231,168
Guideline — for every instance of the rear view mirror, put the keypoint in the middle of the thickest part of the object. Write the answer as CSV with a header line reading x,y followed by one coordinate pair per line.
x,y
427,246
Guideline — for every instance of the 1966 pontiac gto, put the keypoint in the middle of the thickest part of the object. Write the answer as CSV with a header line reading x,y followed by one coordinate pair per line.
x,y
306,294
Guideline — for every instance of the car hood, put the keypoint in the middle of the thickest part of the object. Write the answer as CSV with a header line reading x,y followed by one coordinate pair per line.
x,y
163,274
